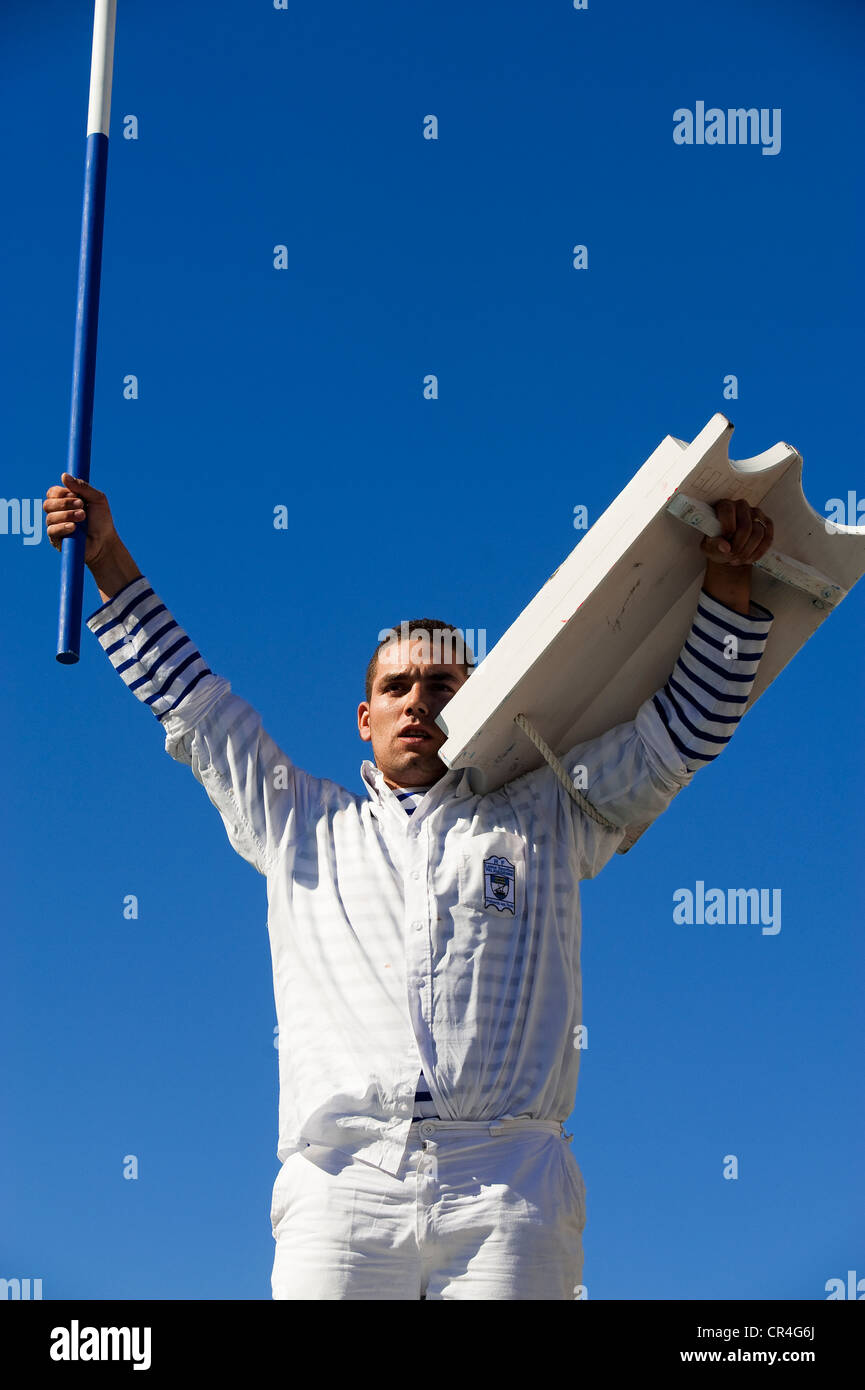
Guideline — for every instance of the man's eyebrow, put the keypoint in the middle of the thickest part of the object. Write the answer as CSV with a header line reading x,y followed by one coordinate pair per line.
x,y
435,675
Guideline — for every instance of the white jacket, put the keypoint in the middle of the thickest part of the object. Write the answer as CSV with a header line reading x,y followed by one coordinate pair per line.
x,y
396,944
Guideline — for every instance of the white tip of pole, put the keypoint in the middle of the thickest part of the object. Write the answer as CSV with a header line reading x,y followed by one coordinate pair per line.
x,y
101,67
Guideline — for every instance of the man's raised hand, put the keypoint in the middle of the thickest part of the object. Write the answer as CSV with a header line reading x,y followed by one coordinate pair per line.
x,y
65,508
746,534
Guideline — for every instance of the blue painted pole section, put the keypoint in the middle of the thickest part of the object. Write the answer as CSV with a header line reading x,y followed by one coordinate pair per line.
x,y
86,323
83,382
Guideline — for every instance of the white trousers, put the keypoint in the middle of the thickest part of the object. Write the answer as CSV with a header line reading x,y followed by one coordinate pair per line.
x,y
491,1210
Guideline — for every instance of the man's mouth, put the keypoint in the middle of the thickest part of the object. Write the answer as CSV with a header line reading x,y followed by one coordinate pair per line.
x,y
415,735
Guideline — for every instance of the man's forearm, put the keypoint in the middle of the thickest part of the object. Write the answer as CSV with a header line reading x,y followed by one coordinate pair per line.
x,y
730,584
113,570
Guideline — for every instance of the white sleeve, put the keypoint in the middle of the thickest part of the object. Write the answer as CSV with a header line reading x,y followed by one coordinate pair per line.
x,y
259,793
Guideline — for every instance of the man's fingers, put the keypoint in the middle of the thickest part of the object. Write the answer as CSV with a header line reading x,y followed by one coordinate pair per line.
x,y
718,547
725,510
715,547
760,539
78,485
62,515
726,513
746,533
742,534
62,504
768,538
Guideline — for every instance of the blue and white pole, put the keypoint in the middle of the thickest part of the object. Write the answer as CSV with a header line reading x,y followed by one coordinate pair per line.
x,y
86,321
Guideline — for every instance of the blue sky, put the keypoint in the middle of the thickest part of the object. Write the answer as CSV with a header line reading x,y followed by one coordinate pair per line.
x,y
303,387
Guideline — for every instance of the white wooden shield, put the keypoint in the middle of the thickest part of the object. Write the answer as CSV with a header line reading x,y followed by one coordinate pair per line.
x,y
604,632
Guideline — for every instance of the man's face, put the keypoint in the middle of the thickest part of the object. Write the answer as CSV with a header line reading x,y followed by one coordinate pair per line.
x,y
399,720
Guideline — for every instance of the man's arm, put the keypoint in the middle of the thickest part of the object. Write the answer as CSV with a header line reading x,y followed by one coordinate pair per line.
x,y
114,570
746,534
634,770
257,790
259,793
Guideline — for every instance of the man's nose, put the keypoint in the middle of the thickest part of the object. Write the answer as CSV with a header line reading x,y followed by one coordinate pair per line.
x,y
416,703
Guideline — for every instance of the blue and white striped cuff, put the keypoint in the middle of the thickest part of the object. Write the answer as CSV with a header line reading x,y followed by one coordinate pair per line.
x,y
147,648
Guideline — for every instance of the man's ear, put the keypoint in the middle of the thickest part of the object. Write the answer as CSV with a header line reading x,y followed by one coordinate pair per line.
x,y
363,722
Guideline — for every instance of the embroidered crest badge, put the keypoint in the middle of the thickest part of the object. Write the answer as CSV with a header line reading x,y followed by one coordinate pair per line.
x,y
500,884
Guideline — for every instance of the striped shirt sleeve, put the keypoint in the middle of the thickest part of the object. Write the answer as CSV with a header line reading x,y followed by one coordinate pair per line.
x,y
148,649
705,696
631,773
257,790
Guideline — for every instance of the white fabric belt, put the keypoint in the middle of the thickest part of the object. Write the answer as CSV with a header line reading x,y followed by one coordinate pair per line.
x,y
493,1127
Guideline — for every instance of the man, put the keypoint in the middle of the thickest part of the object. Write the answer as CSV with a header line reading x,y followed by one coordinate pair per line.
x,y
425,939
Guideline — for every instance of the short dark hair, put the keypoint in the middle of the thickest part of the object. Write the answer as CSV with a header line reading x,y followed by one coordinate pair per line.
x,y
435,628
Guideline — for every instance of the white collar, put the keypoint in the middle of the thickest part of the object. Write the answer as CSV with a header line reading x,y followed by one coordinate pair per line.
x,y
379,792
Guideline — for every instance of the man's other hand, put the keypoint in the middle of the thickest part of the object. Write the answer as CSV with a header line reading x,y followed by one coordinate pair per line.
x,y
746,534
